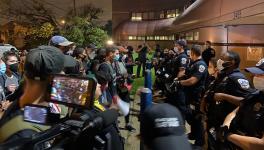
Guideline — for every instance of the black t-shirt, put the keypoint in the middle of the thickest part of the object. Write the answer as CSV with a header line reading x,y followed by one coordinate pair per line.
x,y
142,55
108,69
208,54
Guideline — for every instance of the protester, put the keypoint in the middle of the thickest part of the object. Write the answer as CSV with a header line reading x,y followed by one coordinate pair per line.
x,y
142,58
11,78
208,53
70,66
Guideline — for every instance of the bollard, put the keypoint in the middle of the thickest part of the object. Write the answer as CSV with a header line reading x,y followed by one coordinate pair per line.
x,y
148,81
145,101
148,65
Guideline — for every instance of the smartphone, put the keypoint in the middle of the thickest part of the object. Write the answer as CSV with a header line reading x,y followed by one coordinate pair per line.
x,y
36,114
73,91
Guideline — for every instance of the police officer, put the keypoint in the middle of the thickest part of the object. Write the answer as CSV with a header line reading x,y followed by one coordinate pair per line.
x,y
194,84
245,125
180,63
226,92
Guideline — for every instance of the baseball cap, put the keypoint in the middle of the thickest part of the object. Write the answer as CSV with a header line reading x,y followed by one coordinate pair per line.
x,y
60,40
258,69
163,128
45,60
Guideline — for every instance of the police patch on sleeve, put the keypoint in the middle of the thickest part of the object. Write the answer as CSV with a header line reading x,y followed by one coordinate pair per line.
x,y
201,68
183,60
243,83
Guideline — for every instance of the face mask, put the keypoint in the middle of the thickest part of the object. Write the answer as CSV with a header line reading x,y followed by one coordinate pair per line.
x,y
175,49
220,64
14,67
92,55
2,68
117,57
258,83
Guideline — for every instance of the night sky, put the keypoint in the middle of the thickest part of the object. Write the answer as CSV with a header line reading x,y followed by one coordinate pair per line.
x,y
61,7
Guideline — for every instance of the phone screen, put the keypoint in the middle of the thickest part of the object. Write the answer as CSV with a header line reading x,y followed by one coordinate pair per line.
x,y
73,91
36,114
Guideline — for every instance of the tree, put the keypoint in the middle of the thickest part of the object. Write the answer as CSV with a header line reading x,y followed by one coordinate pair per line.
x,y
108,27
33,12
80,31
88,12
39,35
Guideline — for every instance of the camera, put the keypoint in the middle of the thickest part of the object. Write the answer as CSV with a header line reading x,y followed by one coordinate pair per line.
x,y
83,128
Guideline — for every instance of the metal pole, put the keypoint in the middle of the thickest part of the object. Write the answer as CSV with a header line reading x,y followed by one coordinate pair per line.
x,y
145,101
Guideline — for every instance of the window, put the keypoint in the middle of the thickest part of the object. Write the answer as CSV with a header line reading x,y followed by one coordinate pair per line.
x,y
171,13
151,15
145,16
141,38
150,38
196,36
171,38
136,17
189,36
132,37
162,15
157,38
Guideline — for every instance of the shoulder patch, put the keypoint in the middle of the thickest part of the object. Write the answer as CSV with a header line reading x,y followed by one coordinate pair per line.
x,y
243,83
201,68
183,60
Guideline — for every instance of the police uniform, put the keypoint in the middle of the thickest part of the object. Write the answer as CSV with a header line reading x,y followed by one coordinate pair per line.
x,y
181,61
178,98
197,69
193,94
233,83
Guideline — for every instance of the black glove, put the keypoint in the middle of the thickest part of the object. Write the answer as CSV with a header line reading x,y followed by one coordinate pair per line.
x,y
222,133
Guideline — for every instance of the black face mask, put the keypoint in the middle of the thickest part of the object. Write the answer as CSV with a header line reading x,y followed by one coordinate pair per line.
x,y
14,67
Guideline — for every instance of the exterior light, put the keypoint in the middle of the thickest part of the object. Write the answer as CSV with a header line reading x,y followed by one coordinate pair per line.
x,y
110,42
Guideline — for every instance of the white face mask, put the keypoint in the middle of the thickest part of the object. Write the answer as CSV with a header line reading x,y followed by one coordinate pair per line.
x,y
176,50
220,64
258,83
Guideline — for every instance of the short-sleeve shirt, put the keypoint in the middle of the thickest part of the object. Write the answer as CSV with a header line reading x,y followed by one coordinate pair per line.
x,y
181,61
237,84
108,69
197,69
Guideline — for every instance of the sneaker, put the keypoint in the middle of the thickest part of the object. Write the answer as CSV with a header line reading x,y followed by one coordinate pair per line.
x,y
130,128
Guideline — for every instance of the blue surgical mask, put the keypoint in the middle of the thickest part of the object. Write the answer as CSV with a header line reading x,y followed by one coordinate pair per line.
x,y
117,57
2,68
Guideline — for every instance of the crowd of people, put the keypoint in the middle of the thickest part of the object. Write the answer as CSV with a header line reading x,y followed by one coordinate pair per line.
x,y
223,108
26,78
212,95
